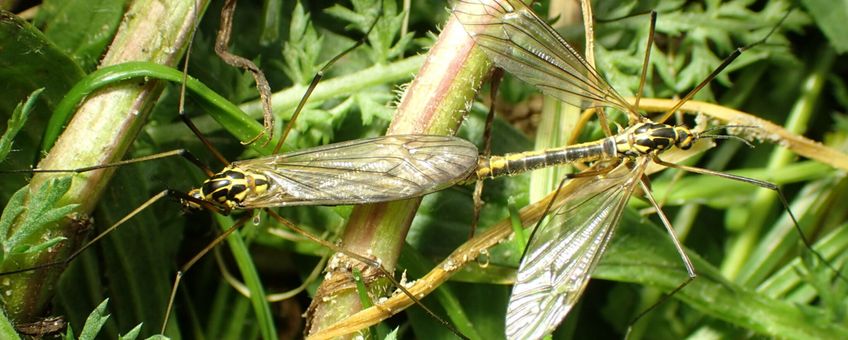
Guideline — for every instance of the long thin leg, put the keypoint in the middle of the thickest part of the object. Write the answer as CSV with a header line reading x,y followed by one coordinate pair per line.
x,y
100,236
179,152
736,53
647,61
690,268
178,278
317,78
217,154
766,185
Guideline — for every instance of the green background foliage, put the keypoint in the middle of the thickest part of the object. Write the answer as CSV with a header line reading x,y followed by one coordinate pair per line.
x,y
748,254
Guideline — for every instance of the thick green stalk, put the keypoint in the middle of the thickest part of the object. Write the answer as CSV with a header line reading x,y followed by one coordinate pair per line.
x,y
434,104
101,131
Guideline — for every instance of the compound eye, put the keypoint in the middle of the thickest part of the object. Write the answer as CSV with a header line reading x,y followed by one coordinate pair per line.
x,y
190,205
684,139
196,194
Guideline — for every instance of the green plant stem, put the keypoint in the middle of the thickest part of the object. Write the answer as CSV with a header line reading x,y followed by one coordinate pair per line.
x,y
433,104
101,131
286,100
225,113
250,275
760,208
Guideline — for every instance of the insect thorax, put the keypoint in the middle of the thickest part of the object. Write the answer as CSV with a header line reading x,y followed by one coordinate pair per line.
x,y
652,138
230,187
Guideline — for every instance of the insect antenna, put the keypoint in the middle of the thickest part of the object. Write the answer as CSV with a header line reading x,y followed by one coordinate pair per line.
x,y
707,134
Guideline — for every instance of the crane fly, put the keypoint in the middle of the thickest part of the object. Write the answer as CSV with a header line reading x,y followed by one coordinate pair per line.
x,y
563,251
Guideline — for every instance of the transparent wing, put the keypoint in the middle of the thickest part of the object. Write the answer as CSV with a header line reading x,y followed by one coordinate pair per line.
x,y
563,252
521,43
363,171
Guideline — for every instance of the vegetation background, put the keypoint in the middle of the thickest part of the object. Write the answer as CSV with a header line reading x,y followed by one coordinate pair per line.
x,y
796,78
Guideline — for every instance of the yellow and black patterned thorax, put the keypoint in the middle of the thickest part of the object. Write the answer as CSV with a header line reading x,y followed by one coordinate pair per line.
x,y
653,138
231,186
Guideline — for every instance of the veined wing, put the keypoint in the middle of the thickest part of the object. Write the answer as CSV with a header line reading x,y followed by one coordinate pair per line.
x,y
521,43
363,171
563,252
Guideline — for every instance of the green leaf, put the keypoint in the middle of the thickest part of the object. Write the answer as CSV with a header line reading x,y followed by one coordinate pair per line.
x,y
393,335
385,31
13,209
81,28
272,11
831,17
69,333
31,62
132,334
7,329
643,253
42,210
16,122
158,337
301,51
95,321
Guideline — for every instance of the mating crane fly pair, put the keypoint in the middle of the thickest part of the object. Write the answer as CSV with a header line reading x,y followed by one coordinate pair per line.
x,y
563,252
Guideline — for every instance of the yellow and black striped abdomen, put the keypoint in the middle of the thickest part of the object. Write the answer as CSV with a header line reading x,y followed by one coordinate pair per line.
x,y
516,163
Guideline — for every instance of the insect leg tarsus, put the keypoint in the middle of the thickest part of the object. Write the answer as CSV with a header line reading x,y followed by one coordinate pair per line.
x,y
690,268
765,185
